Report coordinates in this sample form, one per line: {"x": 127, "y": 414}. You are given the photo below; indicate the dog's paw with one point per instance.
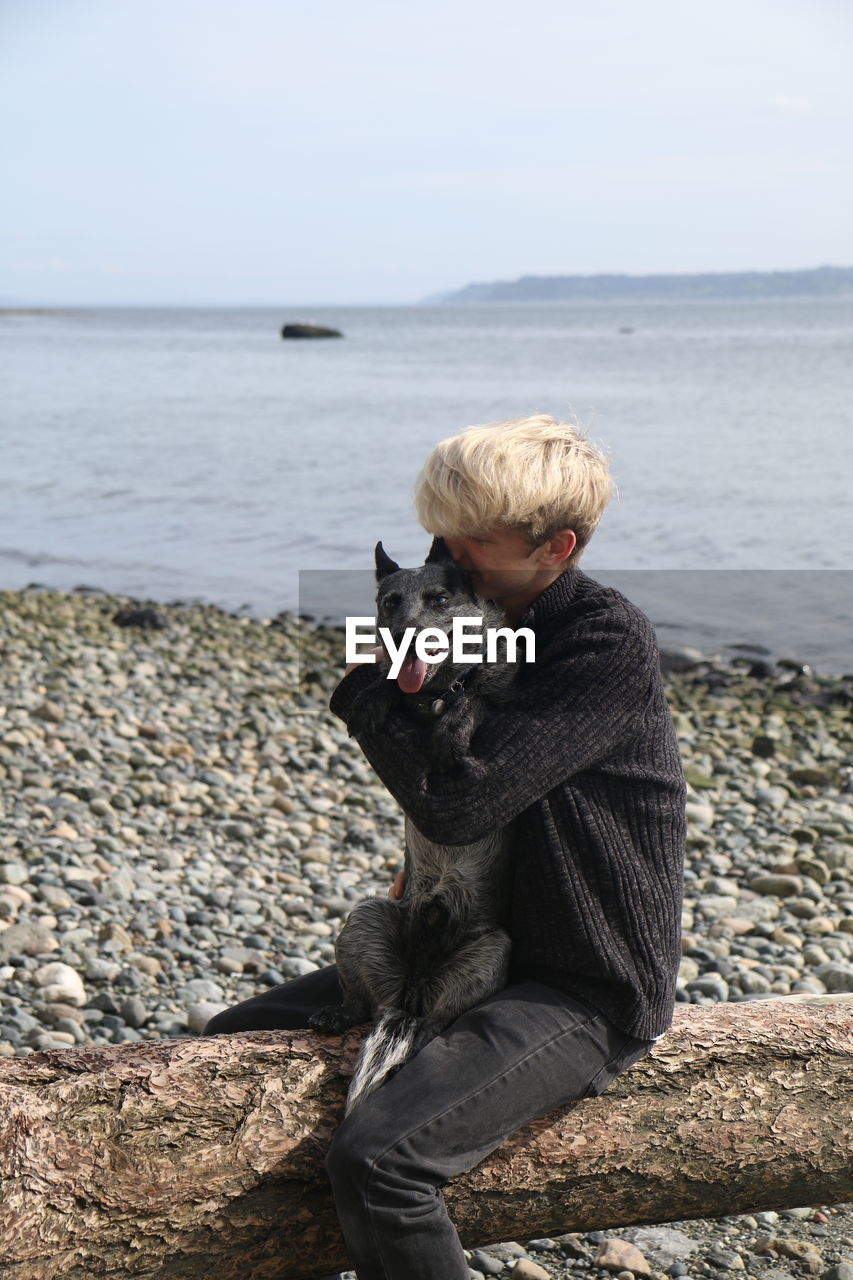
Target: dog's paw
{"x": 473, "y": 769}
{"x": 452, "y": 750}
{"x": 451, "y": 736}
{"x": 335, "y": 1019}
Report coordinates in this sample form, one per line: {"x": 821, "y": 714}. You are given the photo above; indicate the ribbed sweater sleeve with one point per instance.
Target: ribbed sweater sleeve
{"x": 586, "y": 694}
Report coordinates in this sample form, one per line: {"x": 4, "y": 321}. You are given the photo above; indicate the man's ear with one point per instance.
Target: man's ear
{"x": 438, "y": 553}
{"x": 558, "y": 548}
{"x": 384, "y": 563}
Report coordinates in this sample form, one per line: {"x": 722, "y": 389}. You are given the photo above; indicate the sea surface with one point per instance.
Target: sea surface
{"x": 193, "y": 454}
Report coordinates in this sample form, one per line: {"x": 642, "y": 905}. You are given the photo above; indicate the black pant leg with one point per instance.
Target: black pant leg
{"x": 520, "y": 1054}
{"x": 284, "y": 1008}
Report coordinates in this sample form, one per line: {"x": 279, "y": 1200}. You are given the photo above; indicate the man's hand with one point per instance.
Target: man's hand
{"x": 378, "y": 655}
{"x": 399, "y": 886}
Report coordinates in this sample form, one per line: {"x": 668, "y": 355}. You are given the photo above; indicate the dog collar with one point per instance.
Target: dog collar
{"x": 449, "y": 695}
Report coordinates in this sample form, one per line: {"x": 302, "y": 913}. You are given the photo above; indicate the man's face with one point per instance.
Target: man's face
{"x": 502, "y": 564}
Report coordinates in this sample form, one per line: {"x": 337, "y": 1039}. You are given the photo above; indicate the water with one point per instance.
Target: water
{"x": 192, "y": 454}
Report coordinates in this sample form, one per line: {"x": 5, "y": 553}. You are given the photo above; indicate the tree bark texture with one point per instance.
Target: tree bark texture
{"x": 176, "y": 1158}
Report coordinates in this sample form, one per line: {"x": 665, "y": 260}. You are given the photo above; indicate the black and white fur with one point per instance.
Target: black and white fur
{"x": 415, "y": 965}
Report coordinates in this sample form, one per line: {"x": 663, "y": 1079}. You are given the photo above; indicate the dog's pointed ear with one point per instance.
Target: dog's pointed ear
{"x": 438, "y": 553}
{"x": 384, "y": 563}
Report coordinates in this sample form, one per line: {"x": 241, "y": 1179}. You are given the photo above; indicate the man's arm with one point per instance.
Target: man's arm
{"x": 588, "y": 693}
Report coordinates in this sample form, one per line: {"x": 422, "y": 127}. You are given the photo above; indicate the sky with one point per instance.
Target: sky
{"x": 270, "y": 152}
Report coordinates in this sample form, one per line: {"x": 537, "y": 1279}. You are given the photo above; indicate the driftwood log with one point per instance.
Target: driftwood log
{"x": 181, "y": 1158}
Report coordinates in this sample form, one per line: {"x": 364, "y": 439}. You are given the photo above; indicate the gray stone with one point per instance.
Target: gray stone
{"x": 711, "y": 985}
{"x": 293, "y": 966}
{"x": 22, "y": 1020}
{"x": 684, "y": 659}
{"x": 72, "y": 1028}
{"x": 725, "y": 1259}
{"x": 777, "y": 886}
{"x": 808, "y": 986}
{"x": 814, "y": 867}
{"x": 99, "y": 970}
{"x": 200, "y": 1013}
{"x": 835, "y": 977}
{"x": 509, "y": 1250}
{"x": 752, "y": 982}
{"x": 51, "y": 712}
{"x": 51, "y": 1040}
{"x": 712, "y": 905}
{"x": 813, "y": 776}
{"x": 27, "y": 939}
{"x": 663, "y": 1246}
{"x": 802, "y": 908}
{"x": 758, "y": 910}
{"x": 134, "y": 1012}
{"x": 54, "y": 897}
{"x": 13, "y": 873}
{"x": 841, "y": 1271}
{"x": 700, "y": 814}
{"x": 238, "y": 830}
{"x": 573, "y": 1246}
{"x": 125, "y": 1035}
{"x": 201, "y": 989}
{"x": 486, "y": 1263}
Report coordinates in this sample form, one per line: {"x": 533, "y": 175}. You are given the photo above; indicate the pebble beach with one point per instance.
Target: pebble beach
{"x": 182, "y": 822}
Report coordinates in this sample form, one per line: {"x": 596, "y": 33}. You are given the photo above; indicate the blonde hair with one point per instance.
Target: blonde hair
{"x": 532, "y": 475}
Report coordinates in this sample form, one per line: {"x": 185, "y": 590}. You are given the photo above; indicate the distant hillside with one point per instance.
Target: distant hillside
{"x": 820, "y": 282}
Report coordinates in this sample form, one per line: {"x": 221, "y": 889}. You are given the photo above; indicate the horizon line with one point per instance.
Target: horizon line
{"x": 435, "y": 298}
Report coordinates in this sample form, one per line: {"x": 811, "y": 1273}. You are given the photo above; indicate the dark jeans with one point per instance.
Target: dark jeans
{"x": 523, "y": 1052}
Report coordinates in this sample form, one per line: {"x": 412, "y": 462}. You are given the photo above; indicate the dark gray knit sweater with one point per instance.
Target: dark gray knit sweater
{"x": 586, "y": 758}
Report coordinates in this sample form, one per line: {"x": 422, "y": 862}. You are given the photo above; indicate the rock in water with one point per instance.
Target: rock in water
{"x": 309, "y": 331}
{"x": 145, "y": 617}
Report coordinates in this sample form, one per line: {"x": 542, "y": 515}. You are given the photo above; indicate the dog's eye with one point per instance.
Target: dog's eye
{"x": 440, "y": 599}
{"x": 387, "y": 603}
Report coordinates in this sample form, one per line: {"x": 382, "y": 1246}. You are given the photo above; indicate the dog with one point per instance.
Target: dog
{"x": 413, "y": 965}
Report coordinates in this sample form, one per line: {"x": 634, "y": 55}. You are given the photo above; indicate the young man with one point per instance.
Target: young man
{"x": 585, "y": 759}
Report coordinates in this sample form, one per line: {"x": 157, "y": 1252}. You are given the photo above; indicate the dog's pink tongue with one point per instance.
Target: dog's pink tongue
{"x": 412, "y": 674}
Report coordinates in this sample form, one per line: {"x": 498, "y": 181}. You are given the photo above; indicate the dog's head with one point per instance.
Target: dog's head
{"x": 428, "y": 597}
